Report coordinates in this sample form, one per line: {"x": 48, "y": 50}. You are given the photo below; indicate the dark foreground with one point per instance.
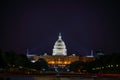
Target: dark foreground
{"x": 57, "y": 77}
{"x": 54, "y": 78}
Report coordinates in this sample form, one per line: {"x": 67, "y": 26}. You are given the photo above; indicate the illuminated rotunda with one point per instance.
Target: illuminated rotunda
{"x": 59, "y": 47}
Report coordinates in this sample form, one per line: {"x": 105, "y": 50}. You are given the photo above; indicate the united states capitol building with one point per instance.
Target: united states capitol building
{"x": 59, "y": 55}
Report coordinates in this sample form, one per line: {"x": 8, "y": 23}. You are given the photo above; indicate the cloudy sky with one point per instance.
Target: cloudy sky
{"x": 84, "y": 25}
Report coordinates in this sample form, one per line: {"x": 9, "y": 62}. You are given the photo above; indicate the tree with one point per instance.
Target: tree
{"x": 9, "y": 57}
{"x": 76, "y": 66}
{"x": 41, "y": 64}
{"x": 3, "y": 64}
{"x": 22, "y": 60}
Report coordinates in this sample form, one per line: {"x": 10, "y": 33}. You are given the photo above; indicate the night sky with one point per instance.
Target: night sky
{"x": 84, "y": 25}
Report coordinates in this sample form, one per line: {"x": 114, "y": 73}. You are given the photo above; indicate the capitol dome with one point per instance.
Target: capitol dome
{"x": 59, "y": 47}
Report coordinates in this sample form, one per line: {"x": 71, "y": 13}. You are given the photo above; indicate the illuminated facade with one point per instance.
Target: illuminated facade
{"x": 63, "y": 60}
{"x": 59, "y": 56}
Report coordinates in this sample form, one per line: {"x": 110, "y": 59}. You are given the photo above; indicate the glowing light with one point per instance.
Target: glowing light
{"x": 93, "y": 68}
{"x": 108, "y": 65}
{"x": 102, "y": 67}
{"x": 111, "y": 65}
{"x": 52, "y": 62}
{"x": 33, "y": 61}
{"x": 116, "y": 65}
{"x": 65, "y": 62}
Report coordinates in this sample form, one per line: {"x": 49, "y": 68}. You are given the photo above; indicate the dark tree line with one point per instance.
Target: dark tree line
{"x": 10, "y": 59}
{"x": 102, "y": 64}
